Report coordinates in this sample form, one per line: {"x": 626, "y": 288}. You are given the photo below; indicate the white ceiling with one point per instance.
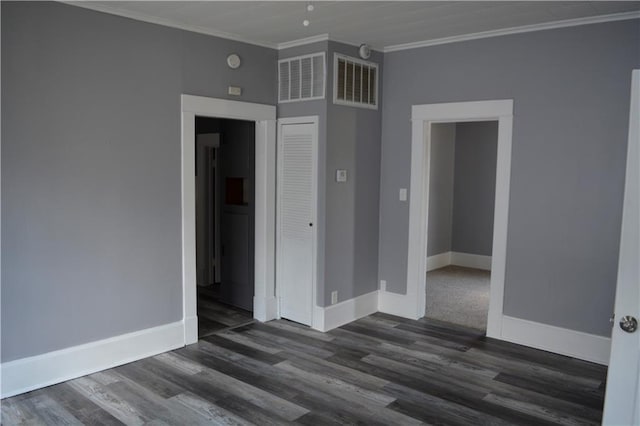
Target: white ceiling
{"x": 381, "y": 24}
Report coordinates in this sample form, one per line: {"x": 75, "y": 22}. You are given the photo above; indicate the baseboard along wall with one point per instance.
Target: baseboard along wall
{"x": 334, "y": 316}
{"x": 466, "y": 260}
{"x": 26, "y": 374}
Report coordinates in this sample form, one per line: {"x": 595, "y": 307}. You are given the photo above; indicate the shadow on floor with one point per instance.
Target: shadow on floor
{"x": 215, "y": 316}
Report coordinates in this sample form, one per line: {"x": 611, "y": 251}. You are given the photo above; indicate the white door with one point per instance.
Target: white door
{"x": 622, "y": 405}
{"x": 296, "y": 216}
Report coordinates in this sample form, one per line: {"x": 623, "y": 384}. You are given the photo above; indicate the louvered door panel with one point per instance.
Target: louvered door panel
{"x": 296, "y": 213}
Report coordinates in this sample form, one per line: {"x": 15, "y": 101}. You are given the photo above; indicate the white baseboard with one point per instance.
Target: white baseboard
{"x": 330, "y": 317}
{"x": 265, "y": 308}
{"x": 397, "y": 304}
{"x": 26, "y": 374}
{"x": 438, "y": 261}
{"x": 191, "y": 330}
{"x": 471, "y": 260}
{"x": 576, "y": 344}
{"x": 466, "y": 260}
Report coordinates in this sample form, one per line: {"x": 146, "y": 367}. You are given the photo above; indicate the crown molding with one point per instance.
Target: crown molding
{"x": 516, "y": 30}
{"x": 302, "y": 41}
{"x": 165, "y": 22}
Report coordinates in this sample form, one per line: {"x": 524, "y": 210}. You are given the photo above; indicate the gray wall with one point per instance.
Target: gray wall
{"x": 441, "y": 186}
{"x": 353, "y": 143}
{"x": 571, "y": 90}
{"x": 90, "y": 225}
{"x": 349, "y": 138}
{"x": 475, "y": 187}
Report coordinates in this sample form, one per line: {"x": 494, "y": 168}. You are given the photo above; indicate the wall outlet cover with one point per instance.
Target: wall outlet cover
{"x": 334, "y": 297}
{"x": 235, "y": 91}
{"x": 403, "y": 194}
{"x": 341, "y": 175}
{"x": 383, "y": 285}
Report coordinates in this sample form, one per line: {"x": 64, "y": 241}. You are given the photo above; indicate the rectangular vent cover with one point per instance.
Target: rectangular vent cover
{"x": 355, "y": 82}
{"x": 301, "y": 78}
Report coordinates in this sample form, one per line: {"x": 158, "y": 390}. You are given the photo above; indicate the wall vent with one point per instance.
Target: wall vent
{"x": 355, "y": 82}
{"x": 301, "y": 78}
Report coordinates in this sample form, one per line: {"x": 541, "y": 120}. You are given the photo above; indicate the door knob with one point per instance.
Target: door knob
{"x": 629, "y": 324}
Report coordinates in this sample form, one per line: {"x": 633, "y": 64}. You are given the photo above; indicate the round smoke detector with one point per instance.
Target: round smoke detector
{"x": 364, "y": 51}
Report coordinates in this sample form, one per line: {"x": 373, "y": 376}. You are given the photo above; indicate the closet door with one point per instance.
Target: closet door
{"x": 296, "y": 214}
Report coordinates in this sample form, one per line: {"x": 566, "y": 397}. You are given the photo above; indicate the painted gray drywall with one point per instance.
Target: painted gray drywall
{"x": 352, "y": 221}
{"x": 91, "y": 219}
{"x": 310, "y": 108}
{"x": 349, "y": 138}
{"x": 475, "y": 187}
{"x": 441, "y": 172}
{"x": 571, "y": 90}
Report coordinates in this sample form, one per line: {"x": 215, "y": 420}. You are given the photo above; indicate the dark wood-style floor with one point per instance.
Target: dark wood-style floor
{"x": 380, "y": 370}
{"x": 214, "y": 316}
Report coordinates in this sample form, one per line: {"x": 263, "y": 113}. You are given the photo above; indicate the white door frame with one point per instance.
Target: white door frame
{"x": 314, "y": 120}
{"x": 622, "y": 398}
{"x": 422, "y": 116}
{"x": 264, "y": 301}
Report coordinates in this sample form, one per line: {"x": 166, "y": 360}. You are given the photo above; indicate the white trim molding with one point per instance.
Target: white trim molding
{"x": 623, "y": 16}
{"x": 422, "y": 117}
{"x": 140, "y": 16}
{"x": 334, "y": 316}
{"x": 26, "y": 374}
{"x": 466, "y": 260}
{"x": 576, "y": 344}
{"x": 438, "y": 261}
{"x": 401, "y": 305}
{"x": 264, "y": 117}
{"x": 303, "y": 41}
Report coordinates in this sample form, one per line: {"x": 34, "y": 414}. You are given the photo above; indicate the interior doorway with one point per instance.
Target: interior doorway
{"x": 413, "y": 305}
{"x": 264, "y": 119}
{"x": 225, "y": 221}
{"x": 462, "y": 178}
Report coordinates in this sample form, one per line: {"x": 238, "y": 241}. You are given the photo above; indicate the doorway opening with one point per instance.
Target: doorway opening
{"x": 225, "y": 222}
{"x": 462, "y": 178}
{"x": 264, "y": 119}
{"x": 413, "y": 305}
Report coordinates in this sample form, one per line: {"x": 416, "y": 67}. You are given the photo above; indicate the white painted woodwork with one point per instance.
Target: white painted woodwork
{"x": 264, "y": 118}
{"x": 35, "y": 372}
{"x": 422, "y": 118}
{"x": 622, "y": 398}
{"x": 296, "y": 218}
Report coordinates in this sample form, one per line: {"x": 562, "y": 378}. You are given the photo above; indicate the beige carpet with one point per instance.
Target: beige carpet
{"x": 459, "y": 295}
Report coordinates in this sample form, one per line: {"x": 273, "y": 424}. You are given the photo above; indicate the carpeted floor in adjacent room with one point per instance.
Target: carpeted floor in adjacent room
{"x": 459, "y": 295}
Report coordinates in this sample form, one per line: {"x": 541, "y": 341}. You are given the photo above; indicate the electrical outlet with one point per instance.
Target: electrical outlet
{"x": 383, "y": 285}
{"x": 235, "y": 91}
{"x": 334, "y": 297}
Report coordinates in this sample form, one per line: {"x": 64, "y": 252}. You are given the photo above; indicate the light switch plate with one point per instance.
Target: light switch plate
{"x": 341, "y": 175}
{"x": 235, "y": 91}
{"x": 403, "y": 194}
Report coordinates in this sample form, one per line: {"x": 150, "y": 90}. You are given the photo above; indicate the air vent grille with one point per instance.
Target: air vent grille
{"x": 301, "y": 78}
{"x": 355, "y": 82}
